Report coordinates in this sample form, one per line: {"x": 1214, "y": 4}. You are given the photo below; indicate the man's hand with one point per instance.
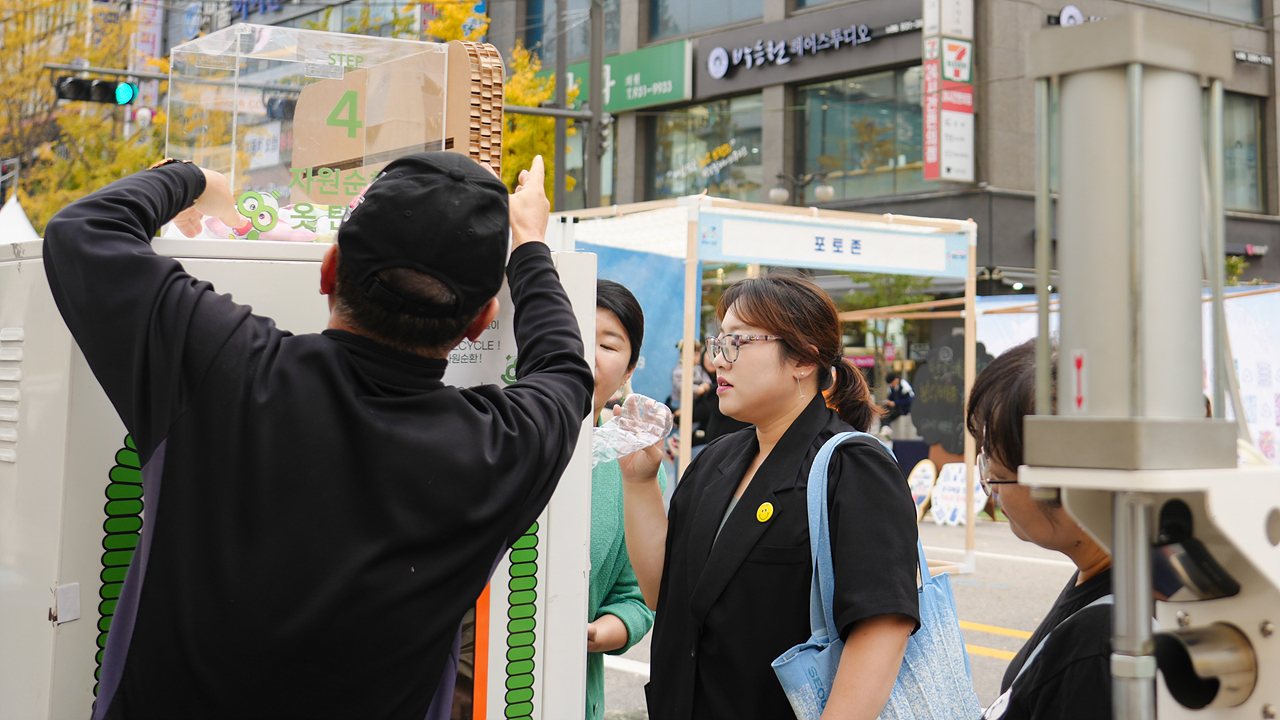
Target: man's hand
{"x": 529, "y": 206}
{"x": 216, "y": 201}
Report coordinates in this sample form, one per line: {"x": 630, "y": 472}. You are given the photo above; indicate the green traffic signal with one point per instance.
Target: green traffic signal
{"x": 125, "y": 93}
{"x": 100, "y": 91}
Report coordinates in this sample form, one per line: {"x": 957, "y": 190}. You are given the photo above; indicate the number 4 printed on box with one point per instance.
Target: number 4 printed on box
{"x": 350, "y": 102}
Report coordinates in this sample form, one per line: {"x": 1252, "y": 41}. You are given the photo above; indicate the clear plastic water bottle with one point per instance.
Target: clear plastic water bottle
{"x": 638, "y": 423}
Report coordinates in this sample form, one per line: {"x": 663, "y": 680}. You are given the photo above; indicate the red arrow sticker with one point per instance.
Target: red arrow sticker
{"x": 1078, "y": 381}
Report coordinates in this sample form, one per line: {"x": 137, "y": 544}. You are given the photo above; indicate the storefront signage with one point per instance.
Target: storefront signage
{"x": 743, "y": 236}
{"x": 244, "y": 7}
{"x": 957, "y": 60}
{"x": 657, "y": 75}
{"x": 1253, "y": 58}
{"x": 948, "y": 90}
{"x": 720, "y": 61}
{"x": 953, "y": 18}
{"x": 843, "y": 40}
{"x": 711, "y": 162}
{"x": 948, "y": 126}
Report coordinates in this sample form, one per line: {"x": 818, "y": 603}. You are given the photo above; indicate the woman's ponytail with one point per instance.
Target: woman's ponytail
{"x": 850, "y": 396}
{"x": 806, "y": 318}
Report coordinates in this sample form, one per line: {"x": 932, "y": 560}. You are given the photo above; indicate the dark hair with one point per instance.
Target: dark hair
{"x": 1003, "y": 394}
{"x": 617, "y": 299}
{"x": 406, "y": 333}
{"x": 803, "y": 314}
{"x": 891, "y": 377}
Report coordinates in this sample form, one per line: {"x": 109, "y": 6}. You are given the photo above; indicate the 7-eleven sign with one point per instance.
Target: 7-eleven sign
{"x": 957, "y": 60}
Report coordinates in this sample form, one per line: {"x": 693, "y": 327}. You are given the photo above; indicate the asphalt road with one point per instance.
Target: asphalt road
{"x": 1000, "y": 603}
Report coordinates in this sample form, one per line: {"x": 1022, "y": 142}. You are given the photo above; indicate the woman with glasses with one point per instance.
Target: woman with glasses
{"x": 729, "y": 569}
{"x": 1064, "y": 670}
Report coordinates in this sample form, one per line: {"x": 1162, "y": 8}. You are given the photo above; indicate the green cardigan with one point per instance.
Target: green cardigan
{"x": 613, "y": 588}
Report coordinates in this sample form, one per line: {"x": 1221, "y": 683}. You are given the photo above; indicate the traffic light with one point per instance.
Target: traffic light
{"x": 279, "y": 108}
{"x": 100, "y": 91}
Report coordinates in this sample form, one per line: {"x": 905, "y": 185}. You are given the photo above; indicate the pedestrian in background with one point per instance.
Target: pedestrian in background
{"x": 900, "y": 396}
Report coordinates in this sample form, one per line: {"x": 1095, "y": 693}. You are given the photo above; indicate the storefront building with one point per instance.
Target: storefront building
{"x": 799, "y": 87}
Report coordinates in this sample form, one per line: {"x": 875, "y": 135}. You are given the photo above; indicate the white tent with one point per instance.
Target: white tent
{"x": 15, "y": 227}
{"x": 701, "y": 228}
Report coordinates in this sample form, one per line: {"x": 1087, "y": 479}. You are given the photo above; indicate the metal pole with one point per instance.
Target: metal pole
{"x": 546, "y": 112}
{"x": 1133, "y": 666}
{"x": 165, "y": 77}
{"x": 970, "y": 371}
{"x": 1136, "y": 399}
{"x": 1044, "y": 377}
{"x": 692, "y": 313}
{"x": 562, "y": 102}
{"x": 595, "y": 129}
{"x": 1214, "y": 266}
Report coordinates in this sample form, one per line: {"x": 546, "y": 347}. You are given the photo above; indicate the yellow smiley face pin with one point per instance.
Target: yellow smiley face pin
{"x": 764, "y": 512}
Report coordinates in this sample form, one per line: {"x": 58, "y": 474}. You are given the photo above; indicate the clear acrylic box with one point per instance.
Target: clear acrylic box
{"x": 302, "y": 120}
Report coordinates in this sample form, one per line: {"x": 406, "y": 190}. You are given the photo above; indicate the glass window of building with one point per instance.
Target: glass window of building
{"x": 540, "y": 28}
{"x": 576, "y": 199}
{"x": 1242, "y": 153}
{"x": 866, "y": 133}
{"x": 377, "y": 18}
{"x": 1234, "y": 9}
{"x": 668, "y": 18}
{"x": 713, "y": 147}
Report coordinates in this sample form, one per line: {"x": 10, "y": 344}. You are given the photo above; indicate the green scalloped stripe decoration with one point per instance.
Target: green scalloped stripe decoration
{"x": 123, "y": 528}
{"x": 520, "y": 625}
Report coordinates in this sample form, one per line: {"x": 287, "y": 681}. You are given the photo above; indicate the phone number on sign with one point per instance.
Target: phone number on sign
{"x": 656, "y": 88}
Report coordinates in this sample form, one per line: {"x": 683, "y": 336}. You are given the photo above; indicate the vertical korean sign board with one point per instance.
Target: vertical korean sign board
{"x": 948, "y": 90}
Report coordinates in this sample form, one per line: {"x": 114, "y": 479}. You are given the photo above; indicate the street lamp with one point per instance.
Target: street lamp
{"x": 780, "y": 195}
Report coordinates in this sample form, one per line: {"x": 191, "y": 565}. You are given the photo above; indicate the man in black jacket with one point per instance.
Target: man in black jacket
{"x": 321, "y": 510}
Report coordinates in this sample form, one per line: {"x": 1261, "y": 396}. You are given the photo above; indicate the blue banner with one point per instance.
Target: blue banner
{"x": 658, "y": 283}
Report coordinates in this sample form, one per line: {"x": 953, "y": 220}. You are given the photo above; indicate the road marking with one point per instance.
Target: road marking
{"x": 989, "y": 652}
{"x": 635, "y": 667}
{"x": 995, "y": 630}
{"x": 1002, "y": 556}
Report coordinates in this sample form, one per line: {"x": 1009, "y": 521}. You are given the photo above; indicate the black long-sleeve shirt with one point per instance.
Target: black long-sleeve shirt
{"x": 321, "y": 510}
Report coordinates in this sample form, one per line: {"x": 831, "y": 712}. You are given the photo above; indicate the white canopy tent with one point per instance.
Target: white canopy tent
{"x": 701, "y": 228}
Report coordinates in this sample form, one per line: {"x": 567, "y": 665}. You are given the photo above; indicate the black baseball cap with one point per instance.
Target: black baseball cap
{"x": 439, "y": 213}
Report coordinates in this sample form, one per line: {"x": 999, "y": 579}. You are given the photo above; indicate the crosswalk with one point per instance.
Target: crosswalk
{"x": 994, "y": 630}
{"x": 636, "y": 667}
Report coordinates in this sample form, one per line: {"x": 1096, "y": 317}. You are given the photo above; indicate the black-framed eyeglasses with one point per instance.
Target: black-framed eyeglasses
{"x": 984, "y": 474}
{"x": 727, "y": 345}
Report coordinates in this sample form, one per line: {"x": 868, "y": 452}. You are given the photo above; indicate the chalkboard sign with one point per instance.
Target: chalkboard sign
{"x": 938, "y": 410}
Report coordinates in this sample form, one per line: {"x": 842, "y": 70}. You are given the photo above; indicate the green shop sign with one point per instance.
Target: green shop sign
{"x": 657, "y": 75}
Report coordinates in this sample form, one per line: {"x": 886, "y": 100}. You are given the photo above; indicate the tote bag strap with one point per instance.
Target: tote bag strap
{"x": 1104, "y": 600}
{"x": 822, "y": 596}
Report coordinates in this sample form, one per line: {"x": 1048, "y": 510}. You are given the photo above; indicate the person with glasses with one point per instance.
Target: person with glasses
{"x": 1064, "y": 669}
{"x": 729, "y": 569}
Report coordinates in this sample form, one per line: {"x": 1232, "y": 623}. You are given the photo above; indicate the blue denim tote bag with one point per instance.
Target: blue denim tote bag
{"x": 934, "y": 682}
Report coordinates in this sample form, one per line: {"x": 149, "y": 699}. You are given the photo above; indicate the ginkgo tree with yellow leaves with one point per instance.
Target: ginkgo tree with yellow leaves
{"x": 67, "y": 149}
{"x": 523, "y": 136}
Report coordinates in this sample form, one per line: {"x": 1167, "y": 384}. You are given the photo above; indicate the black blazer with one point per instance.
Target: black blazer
{"x": 729, "y": 607}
